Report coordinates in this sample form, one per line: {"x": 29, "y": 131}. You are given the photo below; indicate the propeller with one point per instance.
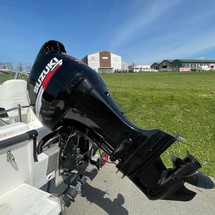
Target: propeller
{"x": 189, "y": 168}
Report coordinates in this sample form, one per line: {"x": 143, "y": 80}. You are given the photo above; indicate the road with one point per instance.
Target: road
{"x": 107, "y": 193}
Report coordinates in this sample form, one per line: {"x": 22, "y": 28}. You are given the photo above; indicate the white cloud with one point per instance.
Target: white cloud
{"x": 157, "y": 32}
{"x": 139, "y": 19}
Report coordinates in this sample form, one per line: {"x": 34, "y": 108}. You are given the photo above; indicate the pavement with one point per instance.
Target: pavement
{"x": 108, "y": 193}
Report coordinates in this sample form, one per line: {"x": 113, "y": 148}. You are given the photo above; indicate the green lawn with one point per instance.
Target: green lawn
{"x": 5, "y": 76}
{"x": 10, "y": 75}
{"x": 174, "y": 102}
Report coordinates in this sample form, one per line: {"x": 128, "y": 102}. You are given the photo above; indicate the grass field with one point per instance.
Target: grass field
{"x": 174, "y": 102}
{"x": 6, "y": 76}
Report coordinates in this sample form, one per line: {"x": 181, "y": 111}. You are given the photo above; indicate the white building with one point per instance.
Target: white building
{"x": 125, "y": 67}
{"x": 139, "y": 68}
{"x": 104, "y": 62}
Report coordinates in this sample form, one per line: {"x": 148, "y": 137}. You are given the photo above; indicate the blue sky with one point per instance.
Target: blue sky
{"x": 141, "y": 31}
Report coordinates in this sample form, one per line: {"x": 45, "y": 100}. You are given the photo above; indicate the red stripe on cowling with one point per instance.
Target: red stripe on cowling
{"x": 49, "y": 75}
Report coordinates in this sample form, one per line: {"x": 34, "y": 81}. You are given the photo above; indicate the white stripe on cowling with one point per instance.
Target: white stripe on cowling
{"x": 39, "y": 102}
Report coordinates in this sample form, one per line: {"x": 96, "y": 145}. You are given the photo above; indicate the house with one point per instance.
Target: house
{"x": 155, "y": 65}
{"x": 165, "y": 65}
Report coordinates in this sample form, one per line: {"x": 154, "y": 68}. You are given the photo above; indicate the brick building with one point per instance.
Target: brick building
{"x": 104, "y": 62}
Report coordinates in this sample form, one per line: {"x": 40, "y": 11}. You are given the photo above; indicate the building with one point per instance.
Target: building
{"x": 193, "y": 65}
{"x": 104, "y": 62}
{"x": 165, "y": 65}
{"x": 139, "y": 68}
{"x": 184, "y": 65}
{"x": 125, "y": 67}
{"x": 155, "y": 66}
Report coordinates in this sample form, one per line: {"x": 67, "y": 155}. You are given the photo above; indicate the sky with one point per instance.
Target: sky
{"x": 141, "y": 31}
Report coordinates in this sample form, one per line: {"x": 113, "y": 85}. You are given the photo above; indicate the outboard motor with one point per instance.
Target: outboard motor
{"x": 64, "y": 93}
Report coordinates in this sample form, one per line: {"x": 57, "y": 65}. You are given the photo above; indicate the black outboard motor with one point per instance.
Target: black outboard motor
{"x": 64, "y": 91}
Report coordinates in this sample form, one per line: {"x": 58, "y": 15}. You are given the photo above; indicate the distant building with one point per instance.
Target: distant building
{"x": 124, "y": 67}
{"x": 184, "y": 65}
{"x": 165, "y": 65}
{"x": 193, "y": 64}
{"x": 155, "y": 66}
{"x": 104, "y": 62}
{"x": 139, "y": 68}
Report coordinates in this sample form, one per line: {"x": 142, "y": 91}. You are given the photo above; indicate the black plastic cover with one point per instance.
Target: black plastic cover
{"x": 64, "y": 91}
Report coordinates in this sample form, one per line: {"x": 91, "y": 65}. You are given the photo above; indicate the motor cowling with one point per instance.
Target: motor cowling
{"x": 64, "y": 91}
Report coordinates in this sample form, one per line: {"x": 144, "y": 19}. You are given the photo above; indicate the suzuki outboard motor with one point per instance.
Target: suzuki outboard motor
{"x": 65, "y": 92}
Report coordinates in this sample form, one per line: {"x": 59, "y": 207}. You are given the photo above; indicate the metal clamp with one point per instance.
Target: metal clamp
{"x": 10, "y": 157}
